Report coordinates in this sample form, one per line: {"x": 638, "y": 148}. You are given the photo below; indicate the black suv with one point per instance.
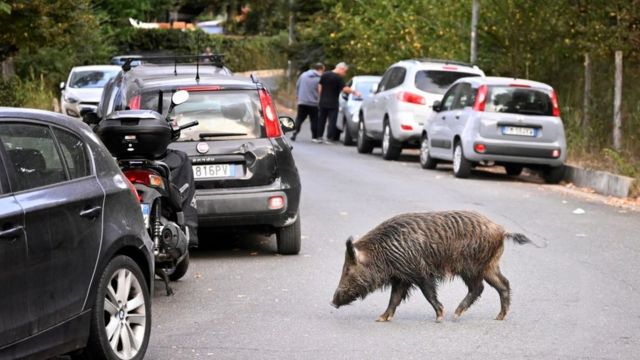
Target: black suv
{"x": 242, "y": 164}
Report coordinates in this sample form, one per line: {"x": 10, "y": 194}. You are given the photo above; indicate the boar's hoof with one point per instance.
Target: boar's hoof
{"x": 440, "y": 318}
{"x": 500, "y": 316}
{"x": 384, "y": 318}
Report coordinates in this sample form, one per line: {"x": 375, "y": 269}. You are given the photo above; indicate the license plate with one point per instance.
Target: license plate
{"x": 146, "y": 210}
{"x": 518, "y": 131}
{"x": 213, "y": 171}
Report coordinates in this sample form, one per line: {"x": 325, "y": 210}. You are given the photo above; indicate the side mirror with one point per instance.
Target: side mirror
{"x": 287, "y": 123}
{"x": 89, "y": 117}
{"x": 62, "y": 85}
{"x": 437, "y": 106}
{"x": 180, "y": 97}
{"x": 374, "y": 88}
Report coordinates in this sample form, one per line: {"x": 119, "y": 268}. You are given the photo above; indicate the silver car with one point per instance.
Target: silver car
{"x": 395, "y": 115}
{"x": 83, "y": 88}
{"x": 350, "y": 105}
{"x": 510, "y": 122}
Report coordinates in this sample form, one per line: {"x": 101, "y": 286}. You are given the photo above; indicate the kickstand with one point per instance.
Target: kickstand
{"x": 163, "y": 275}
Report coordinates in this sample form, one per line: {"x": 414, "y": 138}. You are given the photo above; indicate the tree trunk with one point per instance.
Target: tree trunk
{"x": 586, "y": 99}
{"x": 617, "y": 104}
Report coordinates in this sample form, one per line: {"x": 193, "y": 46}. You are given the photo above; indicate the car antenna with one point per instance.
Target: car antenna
{"x": 197, "y": 69}
{"x": 175, "y": 66}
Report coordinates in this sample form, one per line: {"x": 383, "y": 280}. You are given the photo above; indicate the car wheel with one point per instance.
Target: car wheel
{"x": 391, "y": 149}
{"x": 289, "y": 238}
{"x": 513, "y": 169}
{"x": 365, "y": 145}
{"x": 348, "y": 139}
{"x": 180, "y": 269}
{"x": 461, "y": 166}
{"x": 553, "y": 174}
{"x": 121, "y": 318}
{"x": 426, "y": 161}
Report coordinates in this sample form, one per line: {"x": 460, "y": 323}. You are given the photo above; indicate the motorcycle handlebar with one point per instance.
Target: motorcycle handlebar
{"x": 188, "y": 125}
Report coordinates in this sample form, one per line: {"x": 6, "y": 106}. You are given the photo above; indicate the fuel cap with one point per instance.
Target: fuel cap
{"x": 202, "y": 148}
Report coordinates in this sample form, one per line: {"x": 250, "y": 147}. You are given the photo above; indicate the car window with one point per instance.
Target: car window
{"x": 385, "y": 78}
{"x": 33, "y": 155}
{"x": 74, "y": 153}
{"x": 519, "y": 100}
{"x": 449, "y": 97}
{"x": 437, "y": 82}
{"x": 465, "y": 95}
{"x": 396, "y": 78}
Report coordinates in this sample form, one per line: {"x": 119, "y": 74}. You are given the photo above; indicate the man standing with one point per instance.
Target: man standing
{"x": 330, "y": 86}
{"x": 307, "y": 95}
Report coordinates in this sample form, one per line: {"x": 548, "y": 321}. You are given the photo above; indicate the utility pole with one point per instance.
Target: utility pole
{"x": 290, "y": 42}
{"x": 586, "y": 98}
{"x": 475, "y": 10}
{"x": 617, "y": 104}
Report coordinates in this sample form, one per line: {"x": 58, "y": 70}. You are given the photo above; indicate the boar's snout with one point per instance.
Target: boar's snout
{"x": 334, "y": 305}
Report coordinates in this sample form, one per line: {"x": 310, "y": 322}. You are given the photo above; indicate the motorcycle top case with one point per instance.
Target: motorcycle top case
{"x": 133, "y": 134}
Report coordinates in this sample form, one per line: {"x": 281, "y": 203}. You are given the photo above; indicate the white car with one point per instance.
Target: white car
{"x": 395, "y": 115}
{"x": 83, "y": 89}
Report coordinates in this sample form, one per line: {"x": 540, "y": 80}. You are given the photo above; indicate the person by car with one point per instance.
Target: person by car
{"x": 330, "y": 86}
{"x": 307, "y": 98}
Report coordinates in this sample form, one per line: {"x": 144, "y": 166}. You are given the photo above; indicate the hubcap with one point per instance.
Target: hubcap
{"x": 457, "y": 158}
{"x": 424, "y": 150}
{"x": 125, "y": 314}
{"x": 360, "y": 132}
{"x": 385, "y": 139}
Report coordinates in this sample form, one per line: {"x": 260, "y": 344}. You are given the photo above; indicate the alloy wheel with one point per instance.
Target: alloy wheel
{"x": 457, "y": 158}
{"x": 125, "y": 314}
{"x": 386, "y": 139}
{"x": 424, "y": 150}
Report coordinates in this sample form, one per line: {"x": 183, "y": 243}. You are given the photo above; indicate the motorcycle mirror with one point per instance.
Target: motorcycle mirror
{"x": 180, "y": 97}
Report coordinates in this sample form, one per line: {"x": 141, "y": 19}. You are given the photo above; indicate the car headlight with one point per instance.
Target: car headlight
{"x": 70, "y": 99}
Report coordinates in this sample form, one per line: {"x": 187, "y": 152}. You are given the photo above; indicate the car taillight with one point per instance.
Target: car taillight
{"x": 481, "y": 98}
{"x": 479, "y": 148}
{"x": 412, "y": 98}
{"x": 133, "y": 189}
{"x": 554, "y": 103}
{"x": 271, "y": 124}
{"x": 406, "y": 127}
{"x": 134, "y": 103}
{"x": 144, "y": 177}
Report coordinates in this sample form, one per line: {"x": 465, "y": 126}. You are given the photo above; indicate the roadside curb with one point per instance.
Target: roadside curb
{"x": 602, "y": 182}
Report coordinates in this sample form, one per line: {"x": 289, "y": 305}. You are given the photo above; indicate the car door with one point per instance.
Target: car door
{"x": 388, "y": 97}
{"x": 461, "y": 109}
{"x": 51, "y": 176}
{"x": 14, "y": 313}
{"x": 371, "y": 108}
{"x": 440, "y": 141}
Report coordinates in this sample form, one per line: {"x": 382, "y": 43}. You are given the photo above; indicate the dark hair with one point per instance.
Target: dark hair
{"x": 318, "y": 66}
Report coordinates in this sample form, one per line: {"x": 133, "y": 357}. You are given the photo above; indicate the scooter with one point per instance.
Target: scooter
{"x": 139, "y": 139}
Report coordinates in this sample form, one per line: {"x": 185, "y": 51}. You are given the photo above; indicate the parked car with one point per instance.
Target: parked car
{"x": 245, "y": 173}
{"x": 510, "y": 122}
{"x": 350, "y": 105}
{"x": 121, "y": 59}
{"x": 83, "y": 88}
{"x": 77, "y": 261}
{"x": 394, "y": 116}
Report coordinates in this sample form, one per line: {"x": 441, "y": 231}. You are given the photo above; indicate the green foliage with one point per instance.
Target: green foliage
{"x": 32, "y": 93}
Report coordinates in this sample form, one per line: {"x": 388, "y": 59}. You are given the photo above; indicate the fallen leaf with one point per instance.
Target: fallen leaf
{"x": 579, "y": 211}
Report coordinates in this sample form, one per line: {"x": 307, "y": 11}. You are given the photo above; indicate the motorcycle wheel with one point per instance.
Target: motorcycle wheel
{"x": 180, "y": 269}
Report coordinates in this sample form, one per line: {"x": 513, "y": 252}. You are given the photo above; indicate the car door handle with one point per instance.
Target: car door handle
{"x": 12, "y": 233}
{"x": 91, "y": 213}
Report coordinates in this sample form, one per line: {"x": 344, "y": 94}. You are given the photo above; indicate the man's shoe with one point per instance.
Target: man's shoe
{"x": 317, "y": 141}
{"x": 293, "y": 137}
{"x": 328, "y": 142}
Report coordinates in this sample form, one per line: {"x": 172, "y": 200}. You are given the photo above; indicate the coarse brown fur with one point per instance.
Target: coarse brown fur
{"x": 421, "y": 250}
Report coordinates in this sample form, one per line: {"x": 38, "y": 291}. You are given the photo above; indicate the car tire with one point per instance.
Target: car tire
{"x": 348, "y": 139}
{"x": 553, "y": 174}
{"x": 426, "y": 161}
{"x": 513, "y": 169}
{"x": 181, "y": 269}
{"x": 391, "y": 148}
{"x": 461, "y": 166}
{"x": 116, "y": 317}
{"x": 365, "y": 144}
{"x": 289, "y": 238}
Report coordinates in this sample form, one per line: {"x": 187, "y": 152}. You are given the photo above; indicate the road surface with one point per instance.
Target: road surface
{"x": 577, "y": 298}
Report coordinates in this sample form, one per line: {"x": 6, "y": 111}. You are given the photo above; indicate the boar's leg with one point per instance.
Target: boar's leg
{"x": 399, "y": 290}
{"x": 494, "y": 277}
{"x": 428, "y": 287}
{"x": 475, "y": 286}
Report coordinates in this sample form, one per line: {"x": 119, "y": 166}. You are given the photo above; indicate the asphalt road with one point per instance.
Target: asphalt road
{"x": 578, "y": 298}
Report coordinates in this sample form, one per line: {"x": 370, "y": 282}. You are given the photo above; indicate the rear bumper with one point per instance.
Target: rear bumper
{"x": 516, "y": 152}
{"x": 407, "y": 124}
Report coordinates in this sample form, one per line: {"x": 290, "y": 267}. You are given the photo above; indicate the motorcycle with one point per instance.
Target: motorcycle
{"x": 139, "y": 140}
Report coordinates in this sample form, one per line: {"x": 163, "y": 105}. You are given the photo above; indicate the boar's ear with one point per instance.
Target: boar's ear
{"x": 350, "y": 250}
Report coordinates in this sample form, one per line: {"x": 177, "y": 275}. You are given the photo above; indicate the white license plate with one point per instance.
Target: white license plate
{"x": 518, "y": 131}
{"x": 213, "y": 171}
{"x": 146, "y": 210}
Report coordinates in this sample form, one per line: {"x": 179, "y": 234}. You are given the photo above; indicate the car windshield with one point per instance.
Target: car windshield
{"x": 364, "y": 87}
{"x": 518, "y": 100}
{"x": 227, "y": 114}
{"x": 437, "y": 82}
{"x": 91, "y": 78}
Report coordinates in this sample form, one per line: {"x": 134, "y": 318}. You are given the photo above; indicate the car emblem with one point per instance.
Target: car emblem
{"x": 202, "y": 148}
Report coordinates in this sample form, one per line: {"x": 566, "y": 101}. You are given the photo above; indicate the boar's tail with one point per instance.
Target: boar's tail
{"x": 522, "y": 239}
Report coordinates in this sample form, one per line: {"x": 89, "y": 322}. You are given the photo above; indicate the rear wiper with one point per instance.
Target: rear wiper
{"x": 210, "y": 135}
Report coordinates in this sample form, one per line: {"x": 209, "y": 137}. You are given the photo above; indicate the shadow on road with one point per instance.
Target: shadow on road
{"x": 224, "y": 243}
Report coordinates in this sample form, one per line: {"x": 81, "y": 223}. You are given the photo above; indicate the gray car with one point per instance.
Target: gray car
{"x": 510, "y": 122}
{"x": 350, "y": 105}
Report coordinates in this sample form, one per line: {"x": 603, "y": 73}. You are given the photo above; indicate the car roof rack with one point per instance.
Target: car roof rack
{"x": 211, "y": 59}
{"x": 446, "y": 62}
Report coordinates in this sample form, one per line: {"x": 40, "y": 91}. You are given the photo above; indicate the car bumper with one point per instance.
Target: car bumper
{"x": 517, "y": 152}
{"x": 407, "y": 125}
{"x": 76, "y": 109}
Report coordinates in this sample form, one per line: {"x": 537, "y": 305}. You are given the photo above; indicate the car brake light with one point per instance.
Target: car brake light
{"x": 134, "y": 103}
{"x": 202, "y": 88}
{"x": 412, "y": 98}
{"x": 276, "y": 202}
{"x": 271, "y": 124}
{"x": 406, "y": 127}
{"x": 449, "y": 67}
{"x": 555, "y": 153}
{"x": 520, "y": 85}
{"x": 133, "y": 189}
{"x": 480, "y": 148}
{"x": 481, "y": 98}
{"x": 554, "y": 103}
{"x": 144, "y": 177}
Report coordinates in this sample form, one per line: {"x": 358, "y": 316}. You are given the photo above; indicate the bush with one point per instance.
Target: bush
{"x": 31, "y": 93}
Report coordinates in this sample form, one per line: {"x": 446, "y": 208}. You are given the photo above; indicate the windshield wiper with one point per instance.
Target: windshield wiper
{"x": 210, "y": 135}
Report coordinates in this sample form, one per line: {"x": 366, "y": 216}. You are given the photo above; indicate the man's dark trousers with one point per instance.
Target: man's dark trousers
{"x": 304, "y": 111}
{"x": 332, "y": 131}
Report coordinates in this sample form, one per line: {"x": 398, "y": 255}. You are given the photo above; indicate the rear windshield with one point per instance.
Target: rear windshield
{"x": 516, "y": 100}
{"x": 91, "y": 79}
{"x": 437, "y": 82}
{"x": 222, "y": 115}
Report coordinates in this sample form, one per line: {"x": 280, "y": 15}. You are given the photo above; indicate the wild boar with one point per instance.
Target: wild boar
{"x": 421, "y": 250}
